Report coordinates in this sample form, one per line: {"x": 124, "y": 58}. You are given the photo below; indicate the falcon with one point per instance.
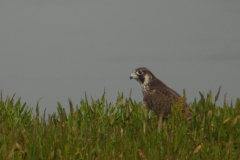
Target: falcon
{"x": 157, "y": 96}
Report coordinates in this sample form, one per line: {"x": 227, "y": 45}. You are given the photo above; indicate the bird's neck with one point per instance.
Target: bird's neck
{"x": 145, "y": 84}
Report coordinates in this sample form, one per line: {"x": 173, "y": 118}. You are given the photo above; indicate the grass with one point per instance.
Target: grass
{"x": 124, "y": 130}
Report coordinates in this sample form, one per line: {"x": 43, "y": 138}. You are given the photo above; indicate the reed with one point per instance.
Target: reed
{"x": 121, "y": 130}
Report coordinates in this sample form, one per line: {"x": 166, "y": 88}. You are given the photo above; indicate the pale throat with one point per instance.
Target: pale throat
{"x": 145, "y": 84}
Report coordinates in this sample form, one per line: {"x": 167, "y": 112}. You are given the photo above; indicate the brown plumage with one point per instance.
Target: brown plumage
{"x": 156, "y": 95}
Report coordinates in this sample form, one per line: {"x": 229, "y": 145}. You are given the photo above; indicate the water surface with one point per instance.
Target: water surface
{"x": 57, "y": 49}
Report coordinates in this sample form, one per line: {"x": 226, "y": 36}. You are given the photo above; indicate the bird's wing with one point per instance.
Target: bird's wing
{"x": 160, "y": 101}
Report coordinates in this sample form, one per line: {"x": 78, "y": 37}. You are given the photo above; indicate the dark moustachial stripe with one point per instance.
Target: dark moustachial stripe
{"x": 141, "y": 78}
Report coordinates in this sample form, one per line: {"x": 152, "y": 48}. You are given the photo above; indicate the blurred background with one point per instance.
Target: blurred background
{"x": 57, "y": 49}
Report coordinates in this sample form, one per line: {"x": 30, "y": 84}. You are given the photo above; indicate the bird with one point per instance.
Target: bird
{"x": 157, "y": 96}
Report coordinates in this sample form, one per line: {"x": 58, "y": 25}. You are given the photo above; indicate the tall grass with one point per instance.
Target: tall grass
{"x": 123, "y": 130}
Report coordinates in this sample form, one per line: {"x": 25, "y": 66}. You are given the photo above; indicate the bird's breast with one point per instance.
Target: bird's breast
{"x": 145, "y": 88}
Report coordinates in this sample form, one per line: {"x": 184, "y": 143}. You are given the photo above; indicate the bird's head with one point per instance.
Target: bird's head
{"x": 142, "y": 75}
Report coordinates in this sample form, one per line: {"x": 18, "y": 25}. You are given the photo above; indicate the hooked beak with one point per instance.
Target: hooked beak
{"x": 133, "y": 76}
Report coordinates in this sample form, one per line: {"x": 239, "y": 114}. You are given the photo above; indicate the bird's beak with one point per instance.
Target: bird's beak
{"x": 133, "y": 76}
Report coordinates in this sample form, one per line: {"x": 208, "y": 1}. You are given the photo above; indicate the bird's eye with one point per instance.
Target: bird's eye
{"x": 139, "y": 72}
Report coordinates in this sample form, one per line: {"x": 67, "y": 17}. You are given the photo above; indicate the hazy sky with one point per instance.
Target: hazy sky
{"x": 57, "y": 49}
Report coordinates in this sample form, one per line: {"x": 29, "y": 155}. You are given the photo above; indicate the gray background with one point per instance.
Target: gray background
{"x": 57, "y": 49}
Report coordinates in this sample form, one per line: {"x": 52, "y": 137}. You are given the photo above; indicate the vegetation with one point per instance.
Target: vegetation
{"x": 125, "y": 130}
